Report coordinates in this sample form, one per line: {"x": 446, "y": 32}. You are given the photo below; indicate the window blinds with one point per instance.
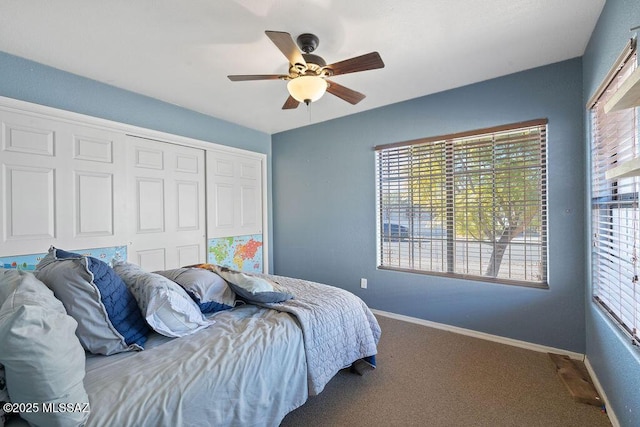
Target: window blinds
{"x": 614, "y": 204}
{"x": 468, "y": 204}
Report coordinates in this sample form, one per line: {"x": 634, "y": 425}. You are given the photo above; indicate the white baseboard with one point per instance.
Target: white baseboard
{"x": 603, "y": 396}
{"x": 482, "y": 335}
{"x": 513, "y": 342}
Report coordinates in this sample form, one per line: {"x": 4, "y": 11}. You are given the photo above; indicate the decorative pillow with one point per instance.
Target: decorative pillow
{"x": 43, "y": 360}
{"x": 252, "y": 289}
{"x": 165, "y": 305}
{"x": 210, "y": 291}
{"x": 109, "y": 320}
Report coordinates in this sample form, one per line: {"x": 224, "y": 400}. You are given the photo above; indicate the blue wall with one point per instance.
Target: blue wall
{"x": 324, "y": 206}
{"x": 37, "y": 83}
{"x": 615, "y": 361}
{"x": 29, "y": 81}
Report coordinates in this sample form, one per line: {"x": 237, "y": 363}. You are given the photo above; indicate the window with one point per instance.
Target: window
{"x": 614, "y": 204}
{"x": 467, "y": 205}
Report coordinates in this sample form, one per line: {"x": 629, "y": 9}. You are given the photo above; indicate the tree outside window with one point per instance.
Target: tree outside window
{"x": 469, "y": 205}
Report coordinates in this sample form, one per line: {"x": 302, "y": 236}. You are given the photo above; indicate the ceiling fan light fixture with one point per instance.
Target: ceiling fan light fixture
{"x": 308, "y": 72}
{"x": 307, "y": 88}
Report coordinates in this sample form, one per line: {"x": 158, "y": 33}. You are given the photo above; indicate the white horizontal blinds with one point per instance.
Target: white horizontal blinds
{"x": 411, "y": 208}
{"x": 500, "y": 211}
{"x": 615, "y": 213}
{"x": 466, "y": 205}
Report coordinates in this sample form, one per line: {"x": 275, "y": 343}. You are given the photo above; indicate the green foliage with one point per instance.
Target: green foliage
{"x": 491, "y": 186}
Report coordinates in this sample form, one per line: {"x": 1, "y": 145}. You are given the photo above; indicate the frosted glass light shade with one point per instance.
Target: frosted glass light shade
{"x": 307, "y": 88}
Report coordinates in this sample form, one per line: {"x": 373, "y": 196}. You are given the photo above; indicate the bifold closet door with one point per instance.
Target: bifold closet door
{"x": 234, "y": 203}
{"x": 166, "y": 192}
{"x": 61, "y": 184}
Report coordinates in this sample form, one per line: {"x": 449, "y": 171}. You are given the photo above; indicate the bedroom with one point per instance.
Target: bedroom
{"x": 332, "y": 199}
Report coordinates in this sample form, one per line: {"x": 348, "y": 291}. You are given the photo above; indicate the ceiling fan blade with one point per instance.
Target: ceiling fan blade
{"x": 290, "y": 103}
{"x": 285, "y": 43}
{"x": 369, "y": 61}
{"x": 245, "y": 77}
{"x": 349, "y": 95}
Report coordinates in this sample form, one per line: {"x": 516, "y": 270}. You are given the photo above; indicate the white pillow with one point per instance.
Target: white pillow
{"x": 165, "y": 305}
{"x": 43, "y": 359}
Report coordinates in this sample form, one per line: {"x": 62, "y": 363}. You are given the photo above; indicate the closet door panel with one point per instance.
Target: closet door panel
{"x": 234, "y": 202}
{"x": 189, "y": 255}
{"x": 167, "y": 193}
{"x": 149, "y": 259}
{"x": 222, "y": 209}
{"x": 93, "y": 149}
{"x": 19, "y": 138}
{"x": 30, "y": 202}
{"x": 93, "y": 169}
{"x": 188, "y": 206}
{"x": 61, "y": 184}
{"x": 149, "y": 205}
{"x": 249, "y": 209}
{"x": 94, "y": 197}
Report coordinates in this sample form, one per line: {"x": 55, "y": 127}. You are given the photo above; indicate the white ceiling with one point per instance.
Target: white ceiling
{"x": 182, "y": 51}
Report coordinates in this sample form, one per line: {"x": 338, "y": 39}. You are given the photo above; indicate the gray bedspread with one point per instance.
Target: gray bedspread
{"x": 338, "y": 327}
{"x": 227, "y": 375}
{"x": 231, "y": 374}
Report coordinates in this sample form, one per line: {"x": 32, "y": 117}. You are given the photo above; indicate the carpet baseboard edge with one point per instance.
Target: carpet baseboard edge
{"x": 482, "y": 335}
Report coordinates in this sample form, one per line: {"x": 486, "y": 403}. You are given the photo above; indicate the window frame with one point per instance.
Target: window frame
{"x": 462, "y": 139}
{"x": 615, "y": 199}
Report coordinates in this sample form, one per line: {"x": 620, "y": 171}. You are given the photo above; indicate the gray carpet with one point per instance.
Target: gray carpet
{"x": 430, "y": 377}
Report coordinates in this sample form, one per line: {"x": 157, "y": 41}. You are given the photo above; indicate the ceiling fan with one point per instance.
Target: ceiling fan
{"x": 308, "y": 73}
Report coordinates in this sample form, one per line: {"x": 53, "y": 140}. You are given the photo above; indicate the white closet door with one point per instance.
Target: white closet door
{"x": 61, "y": 185}
{"x": 166, "y": 186}
{"x": 234, "y": 202}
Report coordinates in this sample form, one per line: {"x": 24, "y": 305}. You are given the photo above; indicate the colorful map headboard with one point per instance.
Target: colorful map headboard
{"x": 29, "y": 262}
{"x": 242, "y": 253}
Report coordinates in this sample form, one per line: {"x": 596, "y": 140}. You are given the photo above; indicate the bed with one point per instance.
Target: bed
{"x": 246, "y": 365}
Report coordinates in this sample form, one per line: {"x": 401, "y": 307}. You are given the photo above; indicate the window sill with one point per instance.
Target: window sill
{"x": 627, "y": 169}
{"x": 469, "y": 277}
{"x": 627, "y": 96}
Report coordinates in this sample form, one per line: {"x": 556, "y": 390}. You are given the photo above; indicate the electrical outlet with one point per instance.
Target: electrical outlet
{"x": 363, "y": 283}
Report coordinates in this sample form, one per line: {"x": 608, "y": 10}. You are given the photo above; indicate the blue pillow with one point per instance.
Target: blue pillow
{"x": 108, "y": 316}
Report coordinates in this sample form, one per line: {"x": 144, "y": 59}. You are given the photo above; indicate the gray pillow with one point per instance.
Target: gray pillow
{"x": 109, "y": 319}
{"x": 210, "y": 291}
{"x": 43, "y": 359}
{"x": 165, "y": 305}
{"x": 250, "y": 288}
